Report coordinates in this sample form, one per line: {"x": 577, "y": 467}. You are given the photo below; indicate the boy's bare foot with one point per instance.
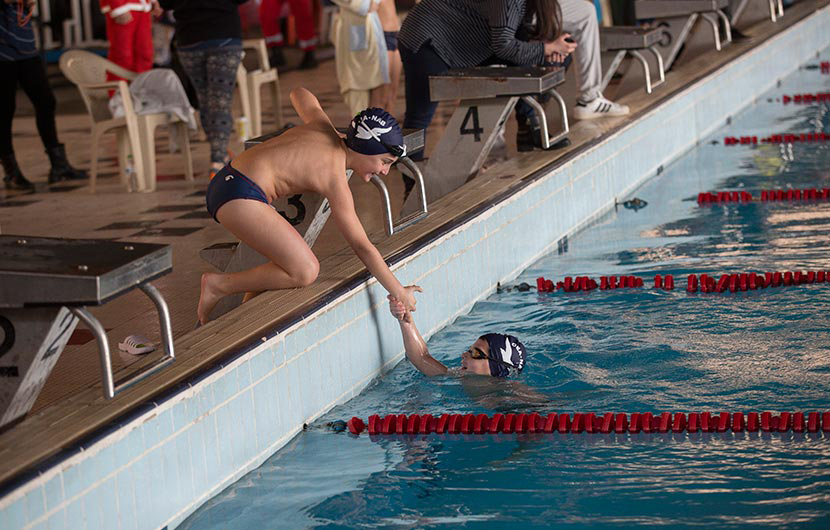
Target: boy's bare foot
{"x": 209, "y": 297}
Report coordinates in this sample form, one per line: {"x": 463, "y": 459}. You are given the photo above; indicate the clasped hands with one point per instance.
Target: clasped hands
{"x": 557, "y": 50}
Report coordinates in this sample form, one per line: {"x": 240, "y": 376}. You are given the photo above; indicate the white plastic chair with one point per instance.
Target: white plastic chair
{"x": 263, "y": 75}
{"x": 135, "y": 132}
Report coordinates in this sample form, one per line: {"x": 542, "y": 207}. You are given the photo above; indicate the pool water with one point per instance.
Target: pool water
{"x": 627, "y": 350}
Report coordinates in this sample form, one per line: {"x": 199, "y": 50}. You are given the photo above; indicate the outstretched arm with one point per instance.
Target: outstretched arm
{"x": 413, "y": 343}
{"x": 346, "y": 219}
{"x": 308, "y": 108}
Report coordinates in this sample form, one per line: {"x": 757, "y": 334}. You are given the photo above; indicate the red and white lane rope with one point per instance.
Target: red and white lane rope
{"x": 745, "y": 281}
{"x": 609, "y": 422}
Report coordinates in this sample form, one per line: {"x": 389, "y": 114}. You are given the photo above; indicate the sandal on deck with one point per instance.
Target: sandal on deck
{"x": 136, "y": 345}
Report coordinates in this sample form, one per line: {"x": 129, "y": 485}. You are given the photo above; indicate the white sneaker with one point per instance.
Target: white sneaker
{"x": 599, "y": 108}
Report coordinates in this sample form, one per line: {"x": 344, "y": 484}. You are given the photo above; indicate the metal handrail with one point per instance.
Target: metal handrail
{"x": 392, "y": 227}
{"x": 548, "y": 141}
{"x": 100, "y": 334}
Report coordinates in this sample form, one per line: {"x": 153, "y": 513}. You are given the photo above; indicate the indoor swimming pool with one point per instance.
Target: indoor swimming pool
{"x": 623, "y": 350}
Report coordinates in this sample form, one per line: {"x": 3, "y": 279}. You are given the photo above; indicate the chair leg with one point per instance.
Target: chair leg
{"x": 276, "y": 103}
{"x": 134, "y": 136}
{"x": 184, "y": 143}
{"x": 123, "y": 142}
{"x": 147, "y": 133}
{"x": 93, "y": 161}
{"x": 255, "y": 98}
{"x": 244, "y": 96}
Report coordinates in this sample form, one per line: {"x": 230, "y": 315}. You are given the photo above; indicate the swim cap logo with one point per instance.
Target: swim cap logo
{"x": 373, "y": 133}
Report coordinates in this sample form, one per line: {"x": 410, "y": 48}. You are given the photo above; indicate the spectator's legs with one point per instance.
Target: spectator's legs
{"x": 8, "y": 91}
{"x": 579, "y": 18}
{"x": 417, "y": 68}
{"x": 269, "y": 21}
{"x": 143, "y": 45}
{"x": 220, "y": 67}
{"x": 357, "y": 100}
{"x": 12, "y": 176}
{"x": 35, "y": 84}
{"x": 121, "y": 39}
{"x": 306, "y": 37}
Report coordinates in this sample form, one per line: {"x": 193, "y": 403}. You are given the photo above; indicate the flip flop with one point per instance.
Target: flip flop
{"x": 136, "y": 345}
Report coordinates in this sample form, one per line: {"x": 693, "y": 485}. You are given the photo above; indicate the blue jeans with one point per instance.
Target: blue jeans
{"x": 417, "y": 67}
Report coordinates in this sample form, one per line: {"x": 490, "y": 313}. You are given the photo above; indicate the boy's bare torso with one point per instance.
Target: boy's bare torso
{"x": 302, "y": 159}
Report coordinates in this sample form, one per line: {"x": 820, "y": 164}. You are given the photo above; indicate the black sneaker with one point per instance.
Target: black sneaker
{"x": 275, "y": 57}
{"x": 309, "y": 61}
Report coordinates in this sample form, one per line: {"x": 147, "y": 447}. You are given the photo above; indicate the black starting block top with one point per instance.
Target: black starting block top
{"x": 675, "y": 8}
{"x": 51, "y": 271}
{"x": 628, "y": 37}
{"x": 494, "y": 81}
{"x": 412, "y": 138}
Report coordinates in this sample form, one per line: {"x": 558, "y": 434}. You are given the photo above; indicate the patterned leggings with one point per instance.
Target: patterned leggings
{"x": 213, "y": 74}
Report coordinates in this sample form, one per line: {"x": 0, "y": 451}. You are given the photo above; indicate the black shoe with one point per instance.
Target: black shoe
{"x": 309, "y": 61}
{"x": 14, "y": 179}
{"x": 524, "y": 136}
{"x": 739, "y": 36}
{"x": 275, "y": 57}
{"x": 61, "y": 169}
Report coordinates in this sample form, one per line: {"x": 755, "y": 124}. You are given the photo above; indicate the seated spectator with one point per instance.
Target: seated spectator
{"x": 431, "y": 43}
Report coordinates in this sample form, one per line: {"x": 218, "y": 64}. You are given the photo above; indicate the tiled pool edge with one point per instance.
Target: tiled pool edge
{"x": 231, "y": 418}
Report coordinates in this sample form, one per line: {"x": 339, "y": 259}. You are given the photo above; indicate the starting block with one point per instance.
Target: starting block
{"x": 631, "y": 40}
{"x": 488, "y": 94}
{"x": 308, "y": 213}
{"x": 745, "y": 13}
{"x": 677, "y": 19}
{"x": 45, "y": 286}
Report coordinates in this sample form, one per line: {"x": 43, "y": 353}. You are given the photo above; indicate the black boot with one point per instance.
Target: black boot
{"x": 61, "y": 170}
{"x": 14, "y": 179}
{"x": 524, "y": 135}
{"x": 275, "y": 57}
{"x": 309, "y": 61}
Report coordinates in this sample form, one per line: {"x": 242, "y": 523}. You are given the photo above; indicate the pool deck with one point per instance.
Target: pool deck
{"x": 72, "y": 410}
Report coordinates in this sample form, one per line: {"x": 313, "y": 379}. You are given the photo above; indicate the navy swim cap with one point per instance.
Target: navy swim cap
{"x": 504, "y": 350}
{"x": 375, "y": 132}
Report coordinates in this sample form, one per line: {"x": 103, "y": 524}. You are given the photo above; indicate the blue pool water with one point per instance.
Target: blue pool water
{"x": 632, "y": 350}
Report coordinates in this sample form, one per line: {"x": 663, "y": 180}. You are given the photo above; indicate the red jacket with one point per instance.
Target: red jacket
{"x": 116, "y": 8}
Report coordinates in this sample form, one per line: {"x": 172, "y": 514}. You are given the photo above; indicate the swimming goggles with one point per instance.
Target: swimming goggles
{"x": 477, "y": 353}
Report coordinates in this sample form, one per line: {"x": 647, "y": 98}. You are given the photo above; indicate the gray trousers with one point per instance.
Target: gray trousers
{"x": 579, "y": 18}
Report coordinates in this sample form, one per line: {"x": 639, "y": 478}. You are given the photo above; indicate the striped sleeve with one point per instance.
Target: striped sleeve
{"x": 505, "y": 17}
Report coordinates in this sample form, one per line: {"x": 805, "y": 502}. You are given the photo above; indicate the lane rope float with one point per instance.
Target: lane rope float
{"x": 788, "y": 138}
{"x": 745, "y": 281}
{"x": 609, "y": 422}
{"x": 809, "y": 194}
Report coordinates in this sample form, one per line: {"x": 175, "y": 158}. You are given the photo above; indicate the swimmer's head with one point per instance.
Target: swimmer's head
{"x": 375, "y": 136}
{"x": 494, "y": 354}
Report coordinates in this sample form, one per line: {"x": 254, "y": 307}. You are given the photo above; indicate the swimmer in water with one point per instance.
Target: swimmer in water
{"x": 311, "y": 157}
{"x": 493, "y": 354}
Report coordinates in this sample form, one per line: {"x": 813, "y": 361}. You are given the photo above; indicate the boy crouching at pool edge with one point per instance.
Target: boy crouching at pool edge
{"x": 312, "y": 157}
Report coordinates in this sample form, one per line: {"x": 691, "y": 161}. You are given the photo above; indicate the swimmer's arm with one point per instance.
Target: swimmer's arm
{"x": 345, "y": 217}
{"x": 416, "y": 349}
{"x": 308, "y": 107}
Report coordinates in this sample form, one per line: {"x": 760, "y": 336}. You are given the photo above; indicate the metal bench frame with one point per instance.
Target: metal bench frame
{"x": 488, "y": 96}
{"x": 46, "y": 285}
{"x": 634, "y": 51}
{"x": 678, "y": 23}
